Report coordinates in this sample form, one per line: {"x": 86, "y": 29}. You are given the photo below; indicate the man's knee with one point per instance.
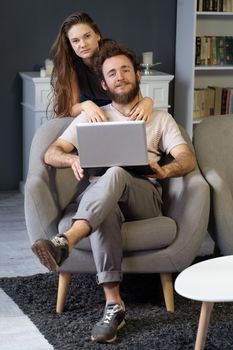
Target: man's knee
{"x": 117, "y": 172}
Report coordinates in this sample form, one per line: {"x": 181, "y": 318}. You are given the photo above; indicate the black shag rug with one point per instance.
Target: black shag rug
{"x": 148, "y": 326}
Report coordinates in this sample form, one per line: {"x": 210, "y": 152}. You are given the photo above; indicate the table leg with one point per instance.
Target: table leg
{"x": 206, "y": 309}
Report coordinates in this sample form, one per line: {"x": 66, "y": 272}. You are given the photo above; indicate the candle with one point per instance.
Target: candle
{"x": 42, "y": 73}
{"x": 147, "y": 57}
{"x": 48, "y": 67}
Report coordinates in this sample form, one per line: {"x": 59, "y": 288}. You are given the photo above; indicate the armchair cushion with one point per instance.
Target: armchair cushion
{"x": 147, "y": 234}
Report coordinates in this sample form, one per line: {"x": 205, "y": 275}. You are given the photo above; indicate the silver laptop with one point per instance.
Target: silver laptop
{"x": 107, "y": 144}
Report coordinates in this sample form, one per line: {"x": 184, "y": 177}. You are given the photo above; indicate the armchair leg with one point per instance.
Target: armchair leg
{"x": 167, "y": 284}
{"x": 63, "y": 288}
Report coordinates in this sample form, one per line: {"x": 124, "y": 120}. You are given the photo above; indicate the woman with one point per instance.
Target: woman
{"x": 76, "y": 87}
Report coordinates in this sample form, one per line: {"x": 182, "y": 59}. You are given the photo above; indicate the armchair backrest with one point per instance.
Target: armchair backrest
{"x": 213, "y": 141}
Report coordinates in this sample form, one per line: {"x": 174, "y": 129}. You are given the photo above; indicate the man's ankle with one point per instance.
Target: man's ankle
{"x": 112, "y": 293}
{"x": 79, "y": 230}
{"x": 114, "y": 301}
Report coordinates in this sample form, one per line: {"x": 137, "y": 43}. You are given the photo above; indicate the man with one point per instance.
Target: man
{"x": 117, "y": 195}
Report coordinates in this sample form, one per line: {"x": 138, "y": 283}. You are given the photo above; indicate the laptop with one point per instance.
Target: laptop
{"x": 107, "y": 144}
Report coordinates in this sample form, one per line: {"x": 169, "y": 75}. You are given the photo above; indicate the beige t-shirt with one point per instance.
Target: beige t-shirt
{"x": 162, "y": 131}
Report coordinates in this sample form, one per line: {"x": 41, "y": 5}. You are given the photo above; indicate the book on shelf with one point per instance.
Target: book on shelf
{"x": 211, "y": 92}
{"x": 214, "y": 50}
{"x": 217, "y": 100}
{"x": 229, "y": 49}
{"x": 204, "y": 50}
{"x": 215, "y": 5}
{"x": 202, "y": 103}
{"x": 197, "y": 105}
{"x": 229, "y": 102}
{"x": 217, "y": 49}
{"x": 227, "y": 5}
{"x": 224, "y": 101}
{"x": 212, "y": 100}
{"x": 198, "y": 51}
{"x": 220, "y": 5}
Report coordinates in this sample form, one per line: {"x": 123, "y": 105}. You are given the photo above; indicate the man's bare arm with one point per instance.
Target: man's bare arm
{"x": 184, "y": 162}
{"x": 59, "y": 155}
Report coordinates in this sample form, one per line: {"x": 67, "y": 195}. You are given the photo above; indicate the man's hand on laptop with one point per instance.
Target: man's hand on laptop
{"x": 93, "y": 112}
{"x": 158, "y": 171}
{"x": 78, "y": 171}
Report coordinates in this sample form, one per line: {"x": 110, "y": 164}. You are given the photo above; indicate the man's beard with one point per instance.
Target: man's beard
{"x": 124, "y": 97}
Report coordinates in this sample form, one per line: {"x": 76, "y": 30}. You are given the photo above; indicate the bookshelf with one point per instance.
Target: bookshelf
{"x": 188, "y": 76}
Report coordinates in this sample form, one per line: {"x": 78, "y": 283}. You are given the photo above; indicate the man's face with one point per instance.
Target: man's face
{"x": 120, "y": 80}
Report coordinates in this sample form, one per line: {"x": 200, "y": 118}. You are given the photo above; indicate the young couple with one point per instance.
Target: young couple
{"x": 118, "y": 195}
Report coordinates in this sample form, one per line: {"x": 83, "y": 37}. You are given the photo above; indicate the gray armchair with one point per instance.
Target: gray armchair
{"x": 162, "y": 244}
{"x": 213, "y": 142}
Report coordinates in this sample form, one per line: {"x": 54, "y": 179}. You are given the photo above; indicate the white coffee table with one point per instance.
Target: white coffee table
{"x": 209, "y": 281}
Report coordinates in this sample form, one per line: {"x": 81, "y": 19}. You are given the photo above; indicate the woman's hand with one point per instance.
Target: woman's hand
{"x": 93, "y": 112}
{"x": 142, "y": 110}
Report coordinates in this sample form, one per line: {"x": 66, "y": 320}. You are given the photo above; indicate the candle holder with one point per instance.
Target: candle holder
{"x": 148, "y": 67}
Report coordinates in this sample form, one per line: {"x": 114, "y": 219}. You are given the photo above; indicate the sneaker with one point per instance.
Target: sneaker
{"x": 105, "y": 331}
{"x": 51, "y": 253}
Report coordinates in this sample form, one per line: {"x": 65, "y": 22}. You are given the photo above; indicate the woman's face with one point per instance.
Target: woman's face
{"x": 84, "y": 41}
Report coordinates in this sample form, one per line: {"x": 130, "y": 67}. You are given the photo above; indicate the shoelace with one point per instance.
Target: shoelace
{"x": 111, "y": 310}
{"x": 59, "y": 241}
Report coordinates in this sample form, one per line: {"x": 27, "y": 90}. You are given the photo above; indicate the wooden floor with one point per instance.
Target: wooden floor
{"x": 16, "y": 259}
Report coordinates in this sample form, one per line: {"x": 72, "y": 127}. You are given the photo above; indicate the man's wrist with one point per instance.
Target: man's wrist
{"x": 71, "y": 158}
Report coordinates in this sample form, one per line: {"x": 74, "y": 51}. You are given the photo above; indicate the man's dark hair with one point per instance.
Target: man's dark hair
{"x": 111, "y": 49}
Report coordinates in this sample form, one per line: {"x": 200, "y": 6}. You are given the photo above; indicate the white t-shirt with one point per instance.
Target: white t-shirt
{"x": 162, "y": 131}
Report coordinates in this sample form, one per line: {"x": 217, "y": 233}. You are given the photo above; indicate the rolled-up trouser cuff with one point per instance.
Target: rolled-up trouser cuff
{"x": 108, "y": 277}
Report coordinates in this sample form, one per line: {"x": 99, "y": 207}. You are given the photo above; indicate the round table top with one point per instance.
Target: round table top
{"x": 210, "y": 280}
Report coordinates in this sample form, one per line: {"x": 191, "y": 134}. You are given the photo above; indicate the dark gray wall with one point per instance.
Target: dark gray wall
{"x": 27, "y": 31}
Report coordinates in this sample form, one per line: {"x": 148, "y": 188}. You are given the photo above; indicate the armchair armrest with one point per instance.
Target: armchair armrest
{"x": 47, "y": 190}
{"x": 221, "y": 219}
{"x": 188, "y": 199}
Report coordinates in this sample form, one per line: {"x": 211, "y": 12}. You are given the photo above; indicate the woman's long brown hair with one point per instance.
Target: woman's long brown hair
{"x": 65, "y": 63}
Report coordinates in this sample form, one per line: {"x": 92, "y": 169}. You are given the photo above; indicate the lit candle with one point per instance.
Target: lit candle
{"x": 147, "y": 57}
